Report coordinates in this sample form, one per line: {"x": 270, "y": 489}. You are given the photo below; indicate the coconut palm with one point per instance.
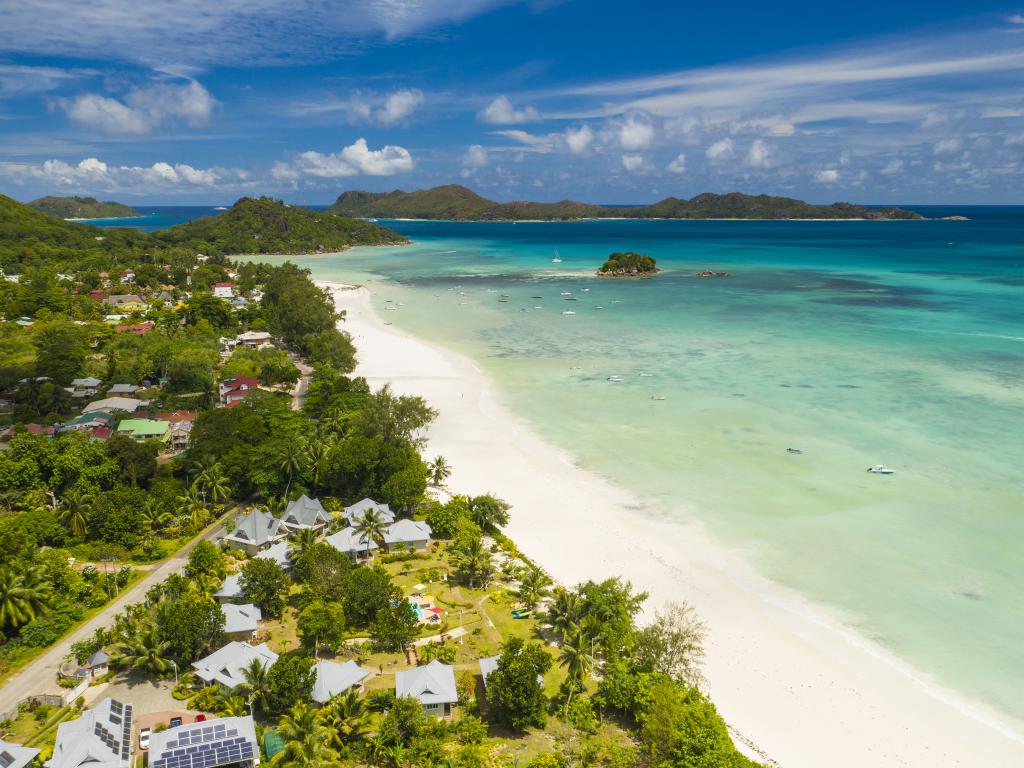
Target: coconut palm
{"x": 276, "y": 505}
{"x": 192, "y": 505}
{"x": 473, "y": 560}
{"x": 304, "y": 742}
{"x": 144, "y": 650}
{"x": 74, "y": 512}
{"x": 256, "y": 687}
{"x": 534, "y": 585}
{"x": 153, "y": 515}
{"x": 300, "y": 541}
{"x": 213, "y": 483}
{"x": 370, "y": 527}
{"x": 231, "y": 706}
{"x": 317, "y": 456}
{"x": 290, "y": 461}
{"x": 439, "y": 471}
{"x": 577, "y": 659}
{"x": 346, "y": 720}
{"x": 23, "y": 596}
{"x": 564, "y": 613}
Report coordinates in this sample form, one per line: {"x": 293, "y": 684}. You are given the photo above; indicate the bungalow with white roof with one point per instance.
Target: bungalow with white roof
{"x": 15, "y": 755}
{"x": 129, "y": 404}
{"x": 255, "y": 531}
{"x": 407, "y": 533}
{"x": 278, "y": 553}
{"x": 217, "y": 743}
{"x": 433, "y": 686}
{"x": 230, "y": 590}
{"x": 86, "y": 387}
{"x": 333, "y": 679}
{"x": 353, "y": 544}
{"x": 253, "y": 339}
{"x": 226, "y": 665}
{"x": 305, "y": 513}
{"x": 241, "y": 621}
{"x": 357, "y": 511}
{"x": 100, "y": 738}
{"x": 122, "y": 389}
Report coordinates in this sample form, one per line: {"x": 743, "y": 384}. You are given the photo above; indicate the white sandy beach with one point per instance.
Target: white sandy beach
{"x": 785, "y": 676}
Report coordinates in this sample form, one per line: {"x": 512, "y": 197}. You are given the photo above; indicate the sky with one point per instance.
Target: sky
{"x": 199, "y": 102}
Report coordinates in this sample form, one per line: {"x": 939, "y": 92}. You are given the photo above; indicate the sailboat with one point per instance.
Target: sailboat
{"x": 557, "y": 259}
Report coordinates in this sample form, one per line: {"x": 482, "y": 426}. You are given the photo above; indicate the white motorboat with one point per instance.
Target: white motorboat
{"x": 557, "y": 259}
{"x": 569, "y": 312}
{"x": 881, "y": 469}
{"x": 615, "y": 379}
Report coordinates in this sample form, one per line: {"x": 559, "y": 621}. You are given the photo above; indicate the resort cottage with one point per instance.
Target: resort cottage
{"x": 230, "y": 590}
{"x": 305, "y": 513}
{"x": 279, "y": 554}
{"x": 241, "y": 621}
{"x": 223, "y": 741}
{"x": 225, "y": 666}
{"x": 353, "y": 544}
{"x": 97, "y": 665}
{"x": 15, "y": 755}
{"x": 255, "y": 531}
{"x": 100, "y": 738}
{"x": 358, "y": 511}
{"x": 333, "y": 679}
{"x": 433, "y": 686}
{"x": 414, "y": 534}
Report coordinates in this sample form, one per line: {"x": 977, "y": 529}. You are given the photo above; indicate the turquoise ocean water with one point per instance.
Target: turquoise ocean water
{"x": 857, "y": 342}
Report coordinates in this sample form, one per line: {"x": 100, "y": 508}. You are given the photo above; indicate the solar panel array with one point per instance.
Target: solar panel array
{"x": 205, "y": 747}
{"x": 6, "y": 759}
{"x": 118, "y": 743}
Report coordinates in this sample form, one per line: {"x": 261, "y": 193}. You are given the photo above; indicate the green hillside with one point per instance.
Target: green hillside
{"x": 457, "y": 203}
{"x": 82, "y": 208}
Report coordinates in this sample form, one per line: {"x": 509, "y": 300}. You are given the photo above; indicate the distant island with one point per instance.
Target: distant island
{"x": 75, "y": 207}
{"x": 454, "y": 202}
{"x": 628, "y": 264}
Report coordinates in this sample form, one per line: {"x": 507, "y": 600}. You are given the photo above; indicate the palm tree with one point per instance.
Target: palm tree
{"x": 439, "y": 471}
{"x": 317, "y": 455}
{"x": 23, "y": 596}
{"x": 257, "y": 684}
{"x": 290, "y": 462}
{"x": 565, "y": 613}
{"x": 213, "y": 483}
{"x": 276, "y": 505}
{"x": 153, "y": 516}
{"x": 577, "y": 659}
{"x": 144, "y": 650}
{"x": 301, "y": 540}
{"x": 370, "y": 527}
{"x": 231, "y": 706}
{"x": 473, "y": 559}
{"x": 305, "y": 744}
{"x": 533, "y": 586}
{"x": 346, "y": 720}
{"x": 74, "y": 514}
{"x": 193, "y": 505}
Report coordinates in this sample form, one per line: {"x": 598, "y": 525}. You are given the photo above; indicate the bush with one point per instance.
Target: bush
{"x": 471, "y": 730}
{"x": 205, "y": 700}
{"x": 45, "y": 630}
{"x": 439, "y": 651}
{"x": 580, "y": 714}
{"x": 378, "y": 701}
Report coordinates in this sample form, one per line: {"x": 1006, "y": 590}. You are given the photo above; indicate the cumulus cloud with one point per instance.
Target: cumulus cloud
{"x": 827, "y": 176}
{"x": 142, "y": 110}
{"x": 476, "y": 157}
{"x": 398, "y": 106}
{"x": 760, "y": 154}
{"x": 634, "y": 163}
{"x": 94, "y": 174}
{"x": 578, "y": 140}
{"x": 947, "y": 146}
{"x": 1017, "y": 18}
{"x": 720, "y": 150}
{"x": 501, "y": 112}
{"x": 892, "y": 168}
{"x": 635, "y": 132}
{"x": 678, "y": 164}
{"x": 357, "y": 158}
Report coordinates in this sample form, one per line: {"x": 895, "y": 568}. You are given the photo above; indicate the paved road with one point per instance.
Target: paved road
{"x": 40, "y": 675}
{"x": 299, "y": 393}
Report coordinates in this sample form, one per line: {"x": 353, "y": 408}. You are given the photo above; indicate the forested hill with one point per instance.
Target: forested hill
{"x": 82, "y": 208}
{"x": 30, "y": 238}
{"x": 457, "y": 203}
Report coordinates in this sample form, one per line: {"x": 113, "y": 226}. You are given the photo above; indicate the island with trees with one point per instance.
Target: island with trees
{"x": 455, "y": 202}
{"x": 628, "y": 264}
{"x": 75, "y": 207}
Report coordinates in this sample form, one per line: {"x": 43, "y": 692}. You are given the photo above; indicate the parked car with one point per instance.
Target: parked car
{"x": 144, "y": 738}
{"x": 175, "y": 722}
{"x": 200, "y": 718}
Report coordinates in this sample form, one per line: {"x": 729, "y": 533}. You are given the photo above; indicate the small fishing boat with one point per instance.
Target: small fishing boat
{"x": 569, "y": 312}
{"x": 793, "y": 450}
{"x": 536, "y": 297}
{"x": 571, "y": 298}
{"x": 557, "y": 259}
{"x": 565, "y": 293}
{"x": 220, "y": 208}
{"x": 504, "y": 297}
{"x": 615, "y": 379}
{"x": 646, "y": 375}
{"x": 657, "y": 397}
{"x": 881, "y": 469}
{"x": 598, "y": 306}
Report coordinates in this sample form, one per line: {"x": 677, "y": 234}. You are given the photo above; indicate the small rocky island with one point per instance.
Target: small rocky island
{"x": 628, "y": 264}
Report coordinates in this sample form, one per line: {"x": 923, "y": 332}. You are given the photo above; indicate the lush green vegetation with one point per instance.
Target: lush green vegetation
{"x": 457, "y": 203}
{"x": 76, "y": 207}
{"x": 628, "y": 264}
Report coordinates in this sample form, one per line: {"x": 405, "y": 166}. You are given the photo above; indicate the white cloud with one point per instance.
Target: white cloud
{"x": 142, "y": 110}
{"x": 537, "y": 143}
{"x": 16, "y": 79}
{"x": 1015, "y": 139}
{"x": 893, "y": 167}
{"x": 355, "y": 159}
{"x": 720, "y": 150}
{"x": 635, "y": 132}
{"x": 579, "y": 139}
{"x": 366, "y": 107}
{"x": 827, "y": 176}
{"x": 476, "y": 157}
{"x": 501, "y": 112}
{"x": 398, "y": 106}
{"x": 634, "y": 163}
{"x": 760, "y": 154}
{"x": 678, "y": 164}
{"x": 947, "y": 146}
{"x": 92, "y": 174}
{"x": 1017, "y": 18}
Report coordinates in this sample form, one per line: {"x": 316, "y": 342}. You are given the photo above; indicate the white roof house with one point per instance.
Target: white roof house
{"x": 351, "y": 543}
{"x": 123, "y": 389}
{"x": 231, "y": 589}
{"x": 89, "y": 382}
{"x": 15, "y": 755}
{"x": 278, "y": 553}
{"x": 407, "y": 532}
{"x": 114, "y": 404}
{"x": 100, "y": 738}
{"x": 433, "y": 686}
{"x": 355, "y": 512}
{"x": 333, "y": 678}
{"x": 209, "y": 744}
{"x": 255, "y": 531}
{"x": 253, "y": 338}
{"x": 240, "y": 618}
{"x": 226, "y": 665}
{"x": 305, "y": 512}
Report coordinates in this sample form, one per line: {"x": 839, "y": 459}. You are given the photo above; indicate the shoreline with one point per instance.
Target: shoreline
{"x": 787, "y": 676}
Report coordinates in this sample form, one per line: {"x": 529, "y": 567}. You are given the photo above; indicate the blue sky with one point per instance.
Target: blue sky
{"x": 195, "y": 101}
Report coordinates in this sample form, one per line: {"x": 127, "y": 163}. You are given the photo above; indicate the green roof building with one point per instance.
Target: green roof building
{"x": 145, "y": 429}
